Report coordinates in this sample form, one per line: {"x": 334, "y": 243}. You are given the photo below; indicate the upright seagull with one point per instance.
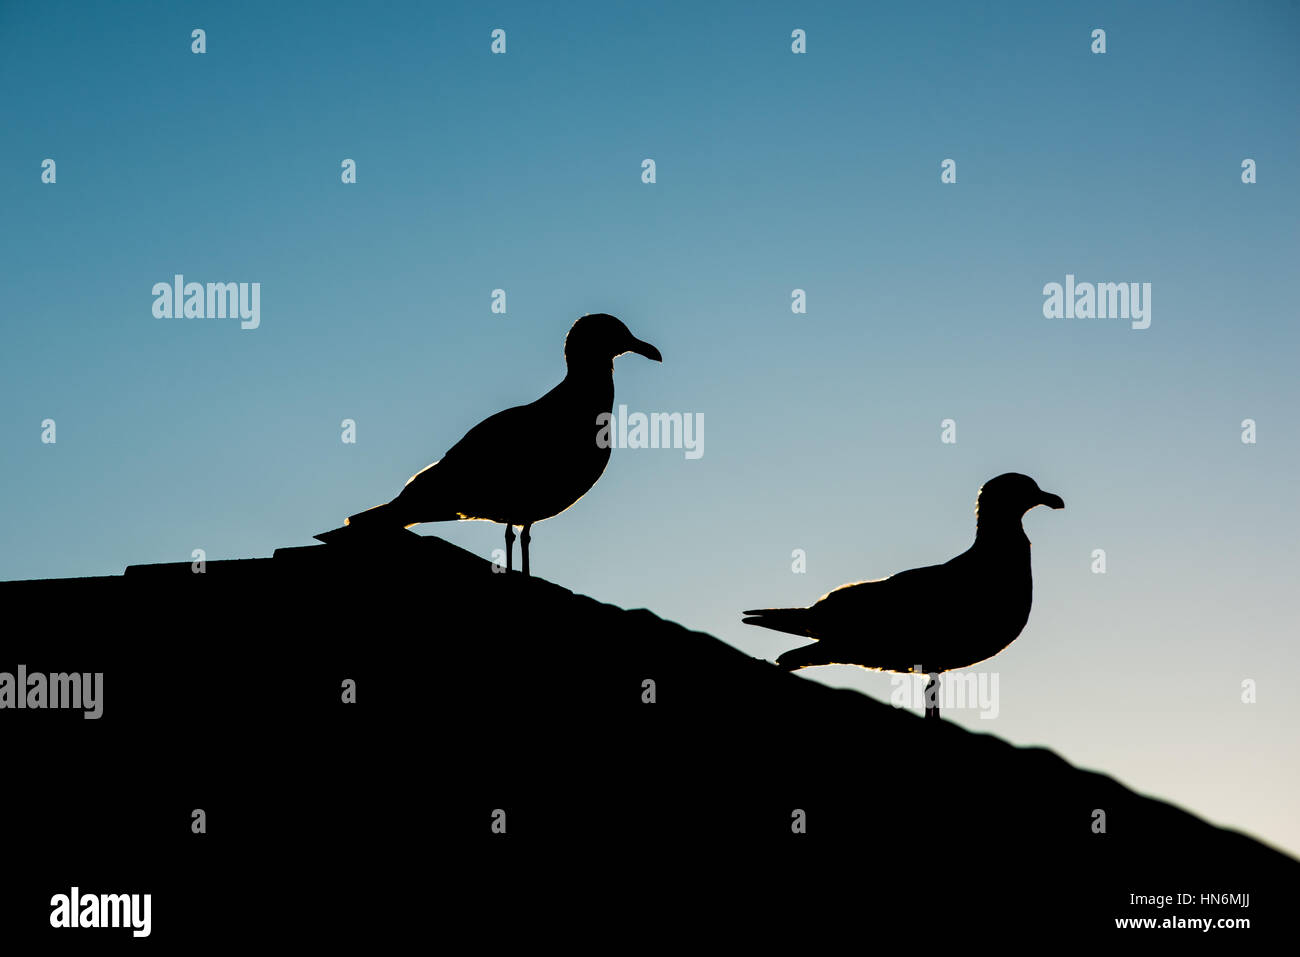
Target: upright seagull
{"x": 941, "y": 617}
{"x": 524, "y": 464}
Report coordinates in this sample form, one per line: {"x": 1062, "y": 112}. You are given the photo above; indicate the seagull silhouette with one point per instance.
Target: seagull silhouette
{"x": 940, "y": 617}
{"x": 527, "y": 463}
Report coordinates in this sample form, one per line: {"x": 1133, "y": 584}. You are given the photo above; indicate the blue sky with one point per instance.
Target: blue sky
{"x": 775, "y": 171}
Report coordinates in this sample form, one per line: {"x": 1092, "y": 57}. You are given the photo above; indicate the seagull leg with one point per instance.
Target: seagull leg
{"x": 932, "y": 696}
{"x": 510, "y": 544}
{"x": 524, "y": 539}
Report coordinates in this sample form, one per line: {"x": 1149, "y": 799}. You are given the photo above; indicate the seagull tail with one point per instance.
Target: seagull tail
{"x": 792, "y": 621}
{"x": 377, "y": 518}
{"x": 805, "y": 656}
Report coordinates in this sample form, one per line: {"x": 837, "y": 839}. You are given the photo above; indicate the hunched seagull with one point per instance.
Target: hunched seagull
{"x": 941, "y": 617}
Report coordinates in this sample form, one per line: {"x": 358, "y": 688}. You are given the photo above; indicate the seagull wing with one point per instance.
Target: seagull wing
{"x": 478, "y": 470}
{"x": 849, "y": 609}
{"x": 860, "y": 608}
{"x": 888, "y": 623}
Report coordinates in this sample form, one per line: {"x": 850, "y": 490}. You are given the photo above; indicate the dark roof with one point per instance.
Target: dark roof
{"x": 479, "y": 691}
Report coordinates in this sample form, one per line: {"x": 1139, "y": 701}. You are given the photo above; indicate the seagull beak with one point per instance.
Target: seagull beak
{"x": 645, "y": 349}
{"x": 1052, "y": 501}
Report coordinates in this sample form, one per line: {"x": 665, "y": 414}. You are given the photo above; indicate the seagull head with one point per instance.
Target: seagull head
{"x": 1010, "y": 495}
{"x": 596, "y": 340}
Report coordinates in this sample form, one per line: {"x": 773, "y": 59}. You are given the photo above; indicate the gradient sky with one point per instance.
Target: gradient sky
{"x": 775, "y": 172}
